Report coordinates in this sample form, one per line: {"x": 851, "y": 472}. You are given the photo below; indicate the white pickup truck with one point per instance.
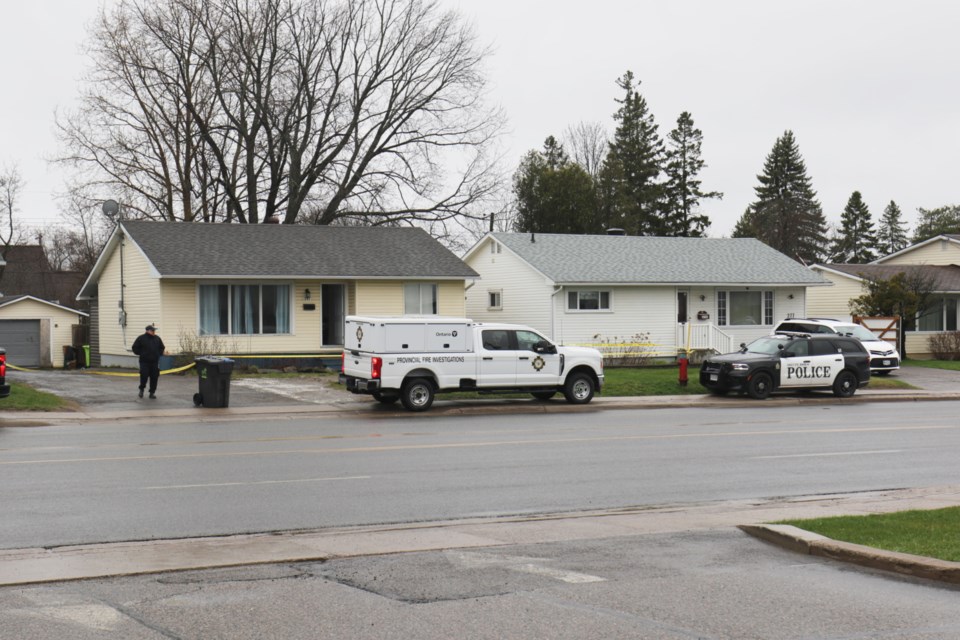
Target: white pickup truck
{"x": 412, "y": 358}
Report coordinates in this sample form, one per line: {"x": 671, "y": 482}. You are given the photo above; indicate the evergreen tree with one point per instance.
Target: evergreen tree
{"x": 855, "y": 243}
{"x": 682, "y": 189}
{"x": 630, "y": 174}
{"x": 554, "y": 195}
{"x": 786, "y": 214}
{"x": 935, "y": 222}
{"x": 892, "y": 234}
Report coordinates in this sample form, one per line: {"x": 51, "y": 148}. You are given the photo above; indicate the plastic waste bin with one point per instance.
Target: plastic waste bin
{"x": 86, "y": 356}
{"x": 214, "y": 374}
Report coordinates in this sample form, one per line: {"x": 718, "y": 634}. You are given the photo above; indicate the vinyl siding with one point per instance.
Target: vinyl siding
{"x": 939, "y": 252}
{"x": 834, "y": 301}
{"x": 385, "y": 298}
{"x": 634, "y": 311}
{"x": 59, "y": 322}
{"x": 525, "y": 292}
{"x": 917, "y": 346}
{"x": 141, "y": 300}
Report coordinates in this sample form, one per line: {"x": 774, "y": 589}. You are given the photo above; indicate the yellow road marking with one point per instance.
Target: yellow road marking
{"x": 492, "y": 443}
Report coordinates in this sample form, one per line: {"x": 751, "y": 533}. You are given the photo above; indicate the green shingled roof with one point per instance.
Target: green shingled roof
{"x": 603, "y": 259}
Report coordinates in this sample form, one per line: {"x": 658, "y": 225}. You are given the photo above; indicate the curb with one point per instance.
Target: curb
{"x": 814, "y": 544}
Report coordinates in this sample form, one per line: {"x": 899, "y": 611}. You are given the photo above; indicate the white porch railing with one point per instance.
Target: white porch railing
{"x": 703, "y": 336}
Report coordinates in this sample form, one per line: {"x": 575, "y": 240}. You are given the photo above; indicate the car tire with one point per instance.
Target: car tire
{"x": 417, "y": 394}
{"x": 579, "y": 388}
{"x": 385, "y": 398}
{"x": 760, "y": 386}
{"x": 543, "y": 395}
{"x": 845, "y": 385}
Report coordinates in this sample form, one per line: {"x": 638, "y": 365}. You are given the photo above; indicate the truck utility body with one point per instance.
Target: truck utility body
{"x": 412, "y": 358}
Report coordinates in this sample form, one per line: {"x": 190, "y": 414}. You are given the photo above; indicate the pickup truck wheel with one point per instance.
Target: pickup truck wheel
{"x": 760, "y": 386}
{"x": 845, "y": 385}
{"x": 543, "y": 395}
{"x": 578, "y": 389}
{"x": 385, "y": 398}
{"x": 417, "y": 394}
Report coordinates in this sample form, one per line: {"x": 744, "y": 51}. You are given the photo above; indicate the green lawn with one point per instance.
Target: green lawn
{"x": 923, "y": 533}
{"x": 25, "y": 398}
{"x": 953, "y": 365}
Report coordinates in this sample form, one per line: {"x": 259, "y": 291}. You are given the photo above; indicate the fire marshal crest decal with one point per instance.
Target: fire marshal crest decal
{"x": 538, "y": 363}
{"x": 359, "y": 334}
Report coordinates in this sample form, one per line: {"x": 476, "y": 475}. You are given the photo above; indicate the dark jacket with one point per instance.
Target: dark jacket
{"x": 148, "y": 347}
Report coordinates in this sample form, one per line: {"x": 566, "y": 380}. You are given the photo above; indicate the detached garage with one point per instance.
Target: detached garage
{"x": 34, "y": 331}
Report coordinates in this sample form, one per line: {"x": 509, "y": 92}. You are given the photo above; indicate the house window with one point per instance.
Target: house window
{"x": 588, "y": 301}
{"x": 244, "y": 309}
{"x": 745, "y": 308}
{"x": 495, "y": 247}
{"x": 941, "y": 316}
{"x": 495, "y": 300}
{"x": 420, "y": 299}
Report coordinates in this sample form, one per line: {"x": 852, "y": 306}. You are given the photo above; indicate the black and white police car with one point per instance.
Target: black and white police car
{"x": 884, "y": 357}
{"x": 790, "y": 362}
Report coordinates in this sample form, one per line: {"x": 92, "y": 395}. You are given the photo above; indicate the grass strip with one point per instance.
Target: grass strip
{"x": 23, "y": 397}
{"x": 951, "y": 365}
{"x": 931, "y": 533}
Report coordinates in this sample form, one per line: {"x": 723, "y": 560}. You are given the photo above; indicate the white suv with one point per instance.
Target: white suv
{"x": 884, "y": 357}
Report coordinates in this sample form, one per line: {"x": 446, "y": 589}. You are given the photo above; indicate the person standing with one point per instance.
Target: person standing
{"x": 149, "y": 347}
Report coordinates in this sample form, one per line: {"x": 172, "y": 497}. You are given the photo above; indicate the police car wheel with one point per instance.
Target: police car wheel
{"x": 760, "y": 386}
{"x": 845, "y": 385}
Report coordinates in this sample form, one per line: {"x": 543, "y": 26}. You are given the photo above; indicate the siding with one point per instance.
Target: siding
{"x": 141, "y": 295}
{"x": 833, "y": 302}
{"x": 939, "y": 252}
{"x": 651, "y": 311}
{"x": 525, "y": 292}
{"x": 58, "y": 322}
{"x": 385, "y": 298}
{"x": 917, "y": 346}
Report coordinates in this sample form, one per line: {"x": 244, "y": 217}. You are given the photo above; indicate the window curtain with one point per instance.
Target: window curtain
{"x": 209, "y": 309}
{"x": 283, "y": 309}
{"x": 246, "y": 310}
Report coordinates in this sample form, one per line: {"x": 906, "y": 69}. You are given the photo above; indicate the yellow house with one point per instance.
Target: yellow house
{"x": 264, "y": 289}
{"x": 34, "y": 331}
{"x": 936, "y": 259}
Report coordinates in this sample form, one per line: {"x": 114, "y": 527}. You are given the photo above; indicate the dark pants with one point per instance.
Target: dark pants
{"x": 151, "y": 371}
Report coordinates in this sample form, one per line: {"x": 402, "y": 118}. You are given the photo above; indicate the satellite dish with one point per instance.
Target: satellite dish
{"x": 110, "y": 208}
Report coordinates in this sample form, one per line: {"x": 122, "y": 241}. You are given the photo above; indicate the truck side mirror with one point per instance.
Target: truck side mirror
{"x": 544, "y": 347}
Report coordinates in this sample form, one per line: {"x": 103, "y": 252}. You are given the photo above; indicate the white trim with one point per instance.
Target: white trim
{"x": 821, "y": 267}
{"x": 20, "y": 298}
{"x": 316, "y": 277}
{"x": 578, "y": 290}
{"x": 765, "y": 285}
{"x": 491, "y": 236}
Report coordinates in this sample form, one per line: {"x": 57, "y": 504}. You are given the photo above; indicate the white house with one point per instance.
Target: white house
{"x": 675, "y": 293}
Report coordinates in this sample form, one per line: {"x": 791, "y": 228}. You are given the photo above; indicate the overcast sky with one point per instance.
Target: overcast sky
{"x": 869, "y": 87}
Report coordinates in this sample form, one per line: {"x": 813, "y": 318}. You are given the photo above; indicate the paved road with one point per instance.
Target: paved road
{"x": 111, "y": 482}
{"x": 679, "y": 586}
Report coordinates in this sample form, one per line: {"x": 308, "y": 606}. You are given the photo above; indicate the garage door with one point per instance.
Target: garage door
{"x": 21, "y": 339}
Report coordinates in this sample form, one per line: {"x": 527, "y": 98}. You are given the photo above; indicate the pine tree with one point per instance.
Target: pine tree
{"x": 682, "y": 189}
{"x": 786, "y": 214}
{"x": 935, "y": 222}
{"x": 630, "y": 174}
{"x": 856, "y": 242}
{"x": 892, "y": 234}
{"x": 554, "y": 195}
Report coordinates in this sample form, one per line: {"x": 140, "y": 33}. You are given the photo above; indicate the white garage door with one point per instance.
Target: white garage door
{"x": 21, "y": 339}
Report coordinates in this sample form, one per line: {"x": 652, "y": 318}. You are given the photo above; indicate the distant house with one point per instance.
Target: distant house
{"x": 262, "y": 289}
{"x": 27, "y": 272}
{"x": 937, "y": 259}
{"x": 697, "y": 293}
{"x": 34, "y": 331}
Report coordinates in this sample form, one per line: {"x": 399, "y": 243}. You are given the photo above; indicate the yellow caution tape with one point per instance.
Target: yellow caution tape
{"x": 16, "y": 368}
{"x": 134, "y": 375}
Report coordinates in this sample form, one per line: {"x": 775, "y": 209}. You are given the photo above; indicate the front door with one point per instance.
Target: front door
{"x": 333, "y": 306}
{"x": 682, "y": 311}
{"x": 535, "y": 368}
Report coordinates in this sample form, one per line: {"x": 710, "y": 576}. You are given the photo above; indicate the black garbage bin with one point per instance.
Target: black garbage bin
{"x": 214, "y": 374}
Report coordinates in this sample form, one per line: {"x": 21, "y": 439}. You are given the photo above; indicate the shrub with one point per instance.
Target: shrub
{"x": 634, "y": 351}
{"x": 193, "y": 344}
{"x": 945, "y": 346}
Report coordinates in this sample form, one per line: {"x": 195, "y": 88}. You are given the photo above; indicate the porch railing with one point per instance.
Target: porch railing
{"x": 698, "y": 337}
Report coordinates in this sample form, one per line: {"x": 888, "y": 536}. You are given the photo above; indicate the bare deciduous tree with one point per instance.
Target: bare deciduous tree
{"x": 587, "y": 144}
{"x": 11, "y": 184}
{"x": 317, "y": 111}
{"x": 75, "y": 243}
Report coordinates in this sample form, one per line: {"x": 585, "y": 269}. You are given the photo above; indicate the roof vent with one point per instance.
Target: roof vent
{"x": 615, "y": 231}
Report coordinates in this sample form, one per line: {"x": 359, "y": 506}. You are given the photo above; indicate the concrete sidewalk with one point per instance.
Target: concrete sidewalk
{"x": 27, "y": 566}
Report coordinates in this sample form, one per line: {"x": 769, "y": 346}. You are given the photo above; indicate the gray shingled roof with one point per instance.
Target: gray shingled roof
{"x": 571, "y": 259}
{"x": 945, "y": 277}
{"x": 181, "y": 249}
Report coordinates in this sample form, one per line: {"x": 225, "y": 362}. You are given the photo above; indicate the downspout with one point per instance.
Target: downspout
{"x": 553, "y": 313}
